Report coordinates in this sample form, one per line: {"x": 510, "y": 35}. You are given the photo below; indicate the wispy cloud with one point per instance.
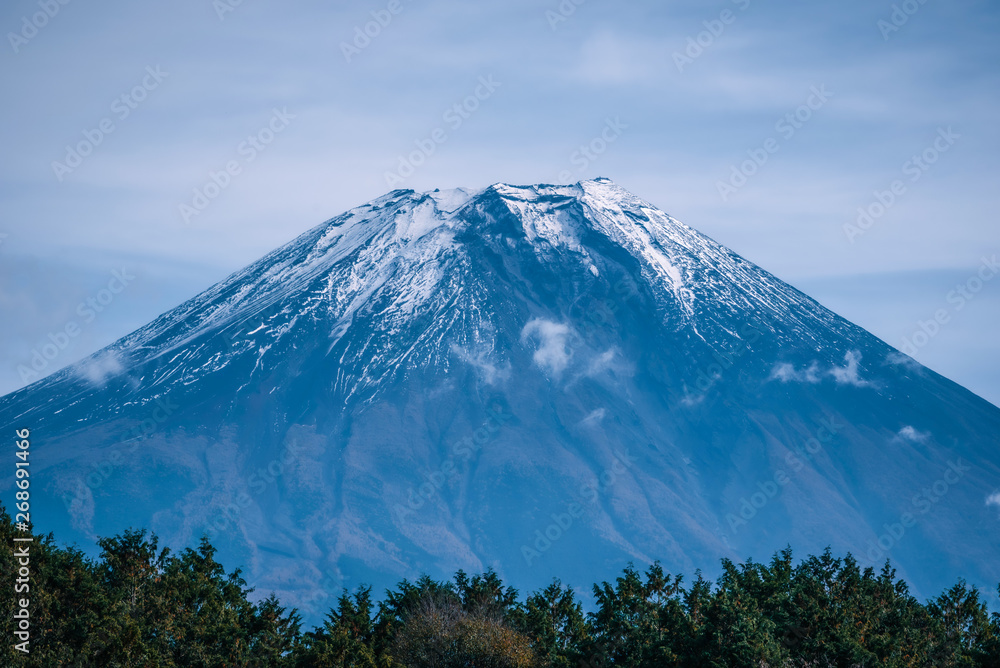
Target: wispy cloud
{"x": 100, "y": 368}
{"x": 913, "y": 435}
{"x": 594, "y": 417}
{"x": 849, "y": 374}
{"x": 552, "y": 353}
{"x": 787, "y": 373}
{"x": 479, "y": 360}
{"x": 993, "y": 499}
{"x": 899, "y": 359}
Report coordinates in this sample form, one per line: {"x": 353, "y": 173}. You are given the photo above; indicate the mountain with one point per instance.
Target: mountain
{"x": 546, "y": 380}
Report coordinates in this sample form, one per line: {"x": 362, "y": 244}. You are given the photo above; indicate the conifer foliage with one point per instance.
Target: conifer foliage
{"x": 139, "y": 605}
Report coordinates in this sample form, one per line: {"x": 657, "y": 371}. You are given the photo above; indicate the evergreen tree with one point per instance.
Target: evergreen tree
{"x": 968, "y": 633}
{"x": 554, "y": 622}
{"x": 275, "y": 633}
{"x": 637, "y": 622}
{"x": 129, "y": 568}
{"x": 735, "y": 631}
{"x": 346, "y": 639}
{"x": 207, "y": 616}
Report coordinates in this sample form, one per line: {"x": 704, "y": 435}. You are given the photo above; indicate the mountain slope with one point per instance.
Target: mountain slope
{"x": 545, "y": 380}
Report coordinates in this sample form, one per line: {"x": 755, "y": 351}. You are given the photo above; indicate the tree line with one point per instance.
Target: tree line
{"x": 138, "y": 604}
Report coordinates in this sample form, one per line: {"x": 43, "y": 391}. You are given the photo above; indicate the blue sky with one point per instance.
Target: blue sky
{"x": 764, "y": 125}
